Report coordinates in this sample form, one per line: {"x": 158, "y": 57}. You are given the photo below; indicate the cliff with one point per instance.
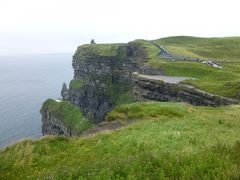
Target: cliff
{"x": 102, "y": 79}
{"x": 147, "y": 89}
{"x": 165, "y": 139}
{"x": 62, "y": 118}
{"x": 105, "y": 75}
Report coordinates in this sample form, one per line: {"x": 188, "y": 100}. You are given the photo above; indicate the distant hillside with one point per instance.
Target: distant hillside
{"x": 224, "y": 82}
{"x": 222, "y": 49}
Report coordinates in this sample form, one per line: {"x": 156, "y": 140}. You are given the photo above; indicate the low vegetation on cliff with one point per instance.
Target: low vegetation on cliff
{"x": 77, "y": 83}
{"x": 182, "y": 141}
{"x": 105, "y": 50}
{"x": 67, "y": 113}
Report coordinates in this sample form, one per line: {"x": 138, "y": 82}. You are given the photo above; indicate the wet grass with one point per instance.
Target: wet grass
{"x": 191, "y": 143}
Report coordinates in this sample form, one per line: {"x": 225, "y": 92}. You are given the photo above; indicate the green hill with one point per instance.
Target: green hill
{"x": 224, "y": 82}
{"x": 167, "y": 140}
{"x": 222, "y": 49}
{"x": 158, "y": 140}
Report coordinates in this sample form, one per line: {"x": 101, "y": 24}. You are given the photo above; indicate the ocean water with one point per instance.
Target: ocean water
{"x": 25, "y": 83}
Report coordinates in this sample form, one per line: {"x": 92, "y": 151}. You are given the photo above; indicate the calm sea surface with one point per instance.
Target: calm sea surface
{"x": 25, "y": 82}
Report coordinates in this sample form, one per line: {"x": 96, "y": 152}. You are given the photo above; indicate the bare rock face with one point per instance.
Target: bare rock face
{"x": 52, "y": 125}
{"x": 146, "y": 89}
{"x": 64, "y": 92}
{"x": 99, "y": 82}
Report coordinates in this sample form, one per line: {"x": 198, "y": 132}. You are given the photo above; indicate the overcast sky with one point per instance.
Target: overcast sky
{"x": 59, "y": 26}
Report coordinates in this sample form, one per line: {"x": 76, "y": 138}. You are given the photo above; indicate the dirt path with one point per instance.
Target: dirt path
{"x": 167, "y": 55}
{"x": 105, "y": 126}
{"x": 168, "y": 79}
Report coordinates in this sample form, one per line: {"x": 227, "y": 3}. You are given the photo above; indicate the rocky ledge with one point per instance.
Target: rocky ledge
{"x": 62, "y": 118}
{"x": 104, "y": 77}
{"x": 168, "y": 89}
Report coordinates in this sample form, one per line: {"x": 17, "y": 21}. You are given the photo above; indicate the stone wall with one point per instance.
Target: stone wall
{"x": 148, "y": 89}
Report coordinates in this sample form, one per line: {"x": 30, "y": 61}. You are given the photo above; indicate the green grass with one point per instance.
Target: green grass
{"x": 119, "y": 93}
{"x": 146, "y": 110}
{"x": 222, "y": 49}
{"x": 174, "y": 141}
{"x": 69, "y": 114}
{"x": 107, "y": 50}
{"x": 150, "y": 51}
{"x": 77, "y": 83}
{"x": 224, "y": 82}
{"x": 167, "y": 140}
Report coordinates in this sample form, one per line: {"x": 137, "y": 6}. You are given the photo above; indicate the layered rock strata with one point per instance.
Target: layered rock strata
{"x": 146, "y": 89}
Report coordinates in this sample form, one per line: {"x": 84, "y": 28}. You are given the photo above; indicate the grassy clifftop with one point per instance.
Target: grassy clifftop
{"x": 69, "y": 114}
{"x": 224, "y": 82}
{"x": 222, "y": 49}
{"x": 181, "y": 142}
{"x": 106, "y": 50}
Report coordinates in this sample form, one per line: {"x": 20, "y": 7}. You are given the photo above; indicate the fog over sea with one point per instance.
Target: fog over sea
{"x": 26, "y": 81}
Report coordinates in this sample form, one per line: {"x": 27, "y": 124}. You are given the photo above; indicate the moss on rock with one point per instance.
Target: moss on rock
{"x": 67, "y": 113}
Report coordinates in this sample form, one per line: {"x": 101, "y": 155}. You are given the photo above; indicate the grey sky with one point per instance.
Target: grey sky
{"x": 59, "y": 26}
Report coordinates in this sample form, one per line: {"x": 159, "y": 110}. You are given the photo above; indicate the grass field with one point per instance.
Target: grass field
{"x": 107, "y": 50}
{"x": 221, "y": 49}
{"x": 182, "y": 141}
{"x": 224, "y": 82}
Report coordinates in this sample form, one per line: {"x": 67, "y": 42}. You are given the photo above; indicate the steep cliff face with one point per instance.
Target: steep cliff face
{"x": 102, "y": 79}
{"x": 52, "y": 125}
{"x": 146, "y": 89}
{"x": 104, "y": 76}
{"x": 62, "y": 118}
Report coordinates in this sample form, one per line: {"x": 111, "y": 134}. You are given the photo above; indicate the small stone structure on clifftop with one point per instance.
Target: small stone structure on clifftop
{"x": 92, "y": 41}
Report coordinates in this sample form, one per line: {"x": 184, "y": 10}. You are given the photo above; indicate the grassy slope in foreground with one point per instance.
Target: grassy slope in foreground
{"x": 182, "y": 141}
{"x": 70, "y": 115}
{"x": 224, "y": 82}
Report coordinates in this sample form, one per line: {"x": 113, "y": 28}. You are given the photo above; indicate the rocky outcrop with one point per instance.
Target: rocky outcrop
{"x": 52, "y": 124}
{"x": 146, "y": 89}
{"x": 100, "y": 81}
{"x": 64, "y": 92}
{"x": 62, "y": 118}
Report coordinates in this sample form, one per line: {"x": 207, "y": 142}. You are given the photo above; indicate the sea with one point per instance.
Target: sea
{"x": 26, "y": 81}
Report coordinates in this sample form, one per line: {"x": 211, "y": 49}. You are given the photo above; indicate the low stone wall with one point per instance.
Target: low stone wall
{"x": 149, "y": 89}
